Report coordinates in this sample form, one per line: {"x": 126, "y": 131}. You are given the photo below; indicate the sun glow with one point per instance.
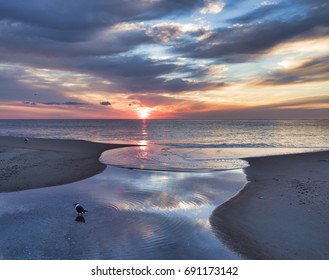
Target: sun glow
{"x": 144, "y": 112}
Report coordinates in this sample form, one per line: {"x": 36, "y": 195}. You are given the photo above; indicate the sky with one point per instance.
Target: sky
{"x": 164, "y": 59}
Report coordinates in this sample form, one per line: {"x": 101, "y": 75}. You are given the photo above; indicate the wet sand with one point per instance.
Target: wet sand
{"x": 283, "y": 212}
{"x": 47, "y": 162}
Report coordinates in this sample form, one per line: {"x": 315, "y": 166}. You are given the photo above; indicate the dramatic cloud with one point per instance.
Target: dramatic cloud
{"x": 212, "y": 7}
{"x": 314, "y": 70}
{"x": 172, "y": 56}
{"x": 237, "y": 44}
{"x": 166, "y": 32}
{"x": 39, "y": 41}
{"x": 85, "y": 28}
{"x": 85, "y": 14}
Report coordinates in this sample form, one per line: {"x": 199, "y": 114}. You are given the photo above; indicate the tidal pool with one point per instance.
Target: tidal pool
{"x": 132, "y": 214}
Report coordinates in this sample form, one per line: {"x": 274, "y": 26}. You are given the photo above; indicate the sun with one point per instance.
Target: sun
{"x": 143, "y": 112}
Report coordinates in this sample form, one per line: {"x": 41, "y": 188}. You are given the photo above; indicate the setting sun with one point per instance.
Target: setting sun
{"x": 143, "y": 112}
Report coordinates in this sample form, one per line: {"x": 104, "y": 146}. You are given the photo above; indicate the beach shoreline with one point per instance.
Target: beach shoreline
{"x": 43, "y": 162}
{"x": 283, "y": 210}
{"x": 281, "y": 213}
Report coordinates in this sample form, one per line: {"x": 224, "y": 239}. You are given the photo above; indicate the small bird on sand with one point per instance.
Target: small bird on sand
{"x": 80, "y": 209}
{"x": 26, "y": 140}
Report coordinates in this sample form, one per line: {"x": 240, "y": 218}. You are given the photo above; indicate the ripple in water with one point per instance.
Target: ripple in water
{"x": 156, "y": 157}
{"x": 132, "y": 214}
{"x": 169, "y": 158}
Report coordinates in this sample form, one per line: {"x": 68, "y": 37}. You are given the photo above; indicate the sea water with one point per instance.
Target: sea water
{"x": 195, "y": 145}
{"x": 180, "y": 133}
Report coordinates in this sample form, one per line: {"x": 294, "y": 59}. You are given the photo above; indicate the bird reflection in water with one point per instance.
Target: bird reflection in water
{"x": 80, "y": 219}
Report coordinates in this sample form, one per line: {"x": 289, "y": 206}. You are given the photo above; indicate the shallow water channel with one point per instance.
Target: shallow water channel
{"x": 132, "y": 214}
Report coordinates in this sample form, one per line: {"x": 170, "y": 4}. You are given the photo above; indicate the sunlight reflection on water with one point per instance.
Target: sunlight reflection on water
{"x": 158, "y": 157}
{"x": 133, "y": 214}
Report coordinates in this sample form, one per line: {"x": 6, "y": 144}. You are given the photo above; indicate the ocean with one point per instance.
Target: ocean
{"x": 180, "y": 133}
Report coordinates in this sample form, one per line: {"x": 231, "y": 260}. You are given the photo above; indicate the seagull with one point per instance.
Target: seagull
{"x": 26, "y": 140}
{"x": 80, "y": 209}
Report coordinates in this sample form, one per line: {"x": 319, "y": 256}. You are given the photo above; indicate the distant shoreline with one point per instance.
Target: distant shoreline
{"x": 282, "y": 212}
{"x": 48, "y": 162}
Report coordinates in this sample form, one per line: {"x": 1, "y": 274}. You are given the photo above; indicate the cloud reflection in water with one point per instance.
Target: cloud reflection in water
{"x": 133, "y": 214}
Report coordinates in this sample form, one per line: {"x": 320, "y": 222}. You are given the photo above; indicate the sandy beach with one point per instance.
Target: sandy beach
{"x": 283, "y": 212}
{"x": 47, "y": 162}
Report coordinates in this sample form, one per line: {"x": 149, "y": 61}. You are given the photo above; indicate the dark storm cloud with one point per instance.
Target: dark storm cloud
{"x": 238, "y": 44}
{"x": 315, "y": 70}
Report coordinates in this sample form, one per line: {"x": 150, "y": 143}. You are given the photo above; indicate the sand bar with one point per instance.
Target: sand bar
{"x": 283, "y": 212}
{"x": 171, "y": 158}
{"x": 47, "y": 162}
